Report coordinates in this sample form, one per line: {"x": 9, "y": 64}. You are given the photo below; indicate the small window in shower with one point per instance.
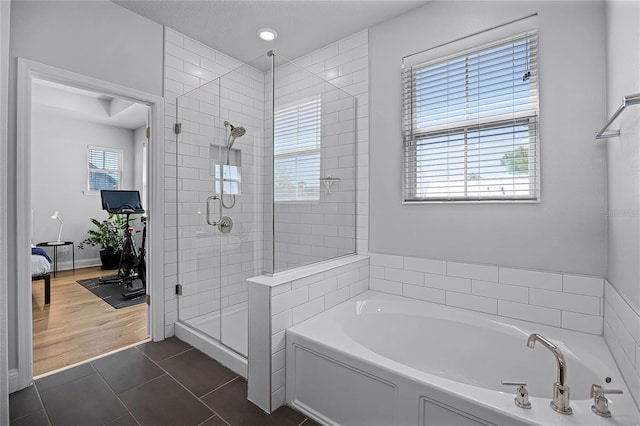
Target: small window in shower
{"x": 297, "y": 136}
{"x": 226, "y": 167}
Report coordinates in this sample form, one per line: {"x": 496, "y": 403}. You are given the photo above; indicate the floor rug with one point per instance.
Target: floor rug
{"x": 111, "y": 293}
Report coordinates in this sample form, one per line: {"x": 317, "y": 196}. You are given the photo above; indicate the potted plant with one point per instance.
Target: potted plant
{"x": 109, "y": 237}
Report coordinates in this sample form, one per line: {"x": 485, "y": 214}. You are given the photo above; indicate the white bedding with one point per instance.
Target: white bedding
{"x": 39, "y": 265}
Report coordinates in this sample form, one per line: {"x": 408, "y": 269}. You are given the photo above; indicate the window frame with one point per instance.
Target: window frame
{"x": 90, "y": 170}
{"x": 413, "y": 135}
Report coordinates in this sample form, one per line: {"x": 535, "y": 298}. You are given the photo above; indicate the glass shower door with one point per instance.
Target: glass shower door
{"x": 198, "y": 239}
{"x": 242, "y": 94}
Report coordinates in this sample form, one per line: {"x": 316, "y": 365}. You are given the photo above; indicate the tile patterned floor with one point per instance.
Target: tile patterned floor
{"x": 164, "y": 383}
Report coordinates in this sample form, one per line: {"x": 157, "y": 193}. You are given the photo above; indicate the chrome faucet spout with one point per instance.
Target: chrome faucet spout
{"x": 562, "y": 365}
{"x": 560, "y": 402}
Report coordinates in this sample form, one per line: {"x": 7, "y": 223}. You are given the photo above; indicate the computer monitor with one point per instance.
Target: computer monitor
{"x": 121, "y": 201}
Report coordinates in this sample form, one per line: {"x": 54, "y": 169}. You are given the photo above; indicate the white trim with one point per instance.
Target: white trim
{"x": 23, "y": 229}
{"x": 212, "y": 347}
{"x": 27, "y": 70}
{"x": 155, "y": 221}
{"x": 5, "y": 9}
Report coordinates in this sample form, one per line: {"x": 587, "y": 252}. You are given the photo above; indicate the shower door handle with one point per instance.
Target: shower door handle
{"x": 213, "y": 197}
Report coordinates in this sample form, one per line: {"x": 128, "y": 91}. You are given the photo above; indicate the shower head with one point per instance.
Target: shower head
{"x": 235, "y": 132}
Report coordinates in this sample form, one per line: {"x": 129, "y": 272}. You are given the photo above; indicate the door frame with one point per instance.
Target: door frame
{"x": 5, "y": 12}
{"x": 27, "y": 71}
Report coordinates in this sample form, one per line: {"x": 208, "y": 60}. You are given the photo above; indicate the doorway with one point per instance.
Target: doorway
{"x": 29, "y": 72}
{"x": 83, "y": 142}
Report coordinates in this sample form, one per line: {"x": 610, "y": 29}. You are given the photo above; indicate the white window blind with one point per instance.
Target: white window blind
{"x": 297, "y": 136}
{"x": 471, "y": 124}
{"x": 105, "y": 167}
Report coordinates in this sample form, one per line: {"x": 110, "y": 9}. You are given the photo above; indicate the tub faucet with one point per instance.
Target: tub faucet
{"x": 560, "y": 402}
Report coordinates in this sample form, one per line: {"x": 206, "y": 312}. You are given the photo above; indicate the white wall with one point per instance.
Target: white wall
{"x": 140, "y": 163}
{"x": 79, "y": 37}
{"x": 565, "y": 232}
{"x": 59, "y": 179}
{"x": 622, "y": 292}
{"x": 623, "y": 78}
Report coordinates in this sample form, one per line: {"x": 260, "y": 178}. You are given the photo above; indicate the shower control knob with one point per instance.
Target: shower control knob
{"x": 522, "y": 394}
{"x": 225, "y": 224}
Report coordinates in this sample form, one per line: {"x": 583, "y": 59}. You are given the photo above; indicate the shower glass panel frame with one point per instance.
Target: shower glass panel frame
{"x": 300, "y": 138}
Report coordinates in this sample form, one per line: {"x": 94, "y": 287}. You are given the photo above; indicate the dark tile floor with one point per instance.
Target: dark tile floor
{"x": 164, "y": 383}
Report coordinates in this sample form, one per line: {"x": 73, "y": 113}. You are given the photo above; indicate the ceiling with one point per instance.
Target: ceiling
{"x": 62, "y": 101}
{"x": 303, "y": 26}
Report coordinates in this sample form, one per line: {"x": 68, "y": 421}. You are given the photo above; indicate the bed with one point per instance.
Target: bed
{"x": 40, "y": 267}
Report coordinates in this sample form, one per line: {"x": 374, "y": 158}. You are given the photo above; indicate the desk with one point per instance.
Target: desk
{"x": 55, "y": 245}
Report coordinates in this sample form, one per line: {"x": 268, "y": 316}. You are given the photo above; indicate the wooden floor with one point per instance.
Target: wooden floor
{"x": 78, "y": 325}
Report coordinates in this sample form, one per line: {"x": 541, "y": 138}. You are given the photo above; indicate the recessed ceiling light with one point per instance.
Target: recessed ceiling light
{"x": 267, "y": 34}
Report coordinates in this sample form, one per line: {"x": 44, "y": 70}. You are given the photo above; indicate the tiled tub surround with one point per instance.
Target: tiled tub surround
{"x": 279, "y": 302}
{"x": 563, "y": 300}
{"x": 622, "y": 333}
{"x": 381, "y": 359}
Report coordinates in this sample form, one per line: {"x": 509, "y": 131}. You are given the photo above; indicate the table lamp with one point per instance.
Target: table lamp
{"x": 56, "y": 215}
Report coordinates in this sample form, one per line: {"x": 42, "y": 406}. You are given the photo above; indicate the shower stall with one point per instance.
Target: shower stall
{"x": 265, "y": 182}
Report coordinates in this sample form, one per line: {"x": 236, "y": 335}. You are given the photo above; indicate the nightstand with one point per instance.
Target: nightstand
{"x": 55, "y": 245}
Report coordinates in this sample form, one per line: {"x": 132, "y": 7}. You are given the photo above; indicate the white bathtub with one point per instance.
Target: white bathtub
{"x": 385, "y": 360}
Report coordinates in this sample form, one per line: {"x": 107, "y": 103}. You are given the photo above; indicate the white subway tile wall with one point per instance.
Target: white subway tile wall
{"x": 192, "y": 248}
{"x": 562, "y": 300}
{"x": 295, "y": 301}
{"x": 622, "y": 333}
{"x": 309, "y": 232}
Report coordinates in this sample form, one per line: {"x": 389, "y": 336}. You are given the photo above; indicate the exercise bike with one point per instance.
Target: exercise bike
{"x": 138, "y": 282}
{"x": 131, "y": 267}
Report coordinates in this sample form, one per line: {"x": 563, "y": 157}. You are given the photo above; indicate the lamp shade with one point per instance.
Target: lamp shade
{"x": 54, "y": 215}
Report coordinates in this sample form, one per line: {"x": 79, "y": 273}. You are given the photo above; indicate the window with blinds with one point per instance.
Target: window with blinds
{"x": 297, "y": 136}
{"x": 471, "y": 125}
{"x": 105, "y": 168}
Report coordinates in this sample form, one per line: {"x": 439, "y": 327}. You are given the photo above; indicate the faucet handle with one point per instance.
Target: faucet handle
{"x": 600, "y": 402}
{"x": 522, "y": 394}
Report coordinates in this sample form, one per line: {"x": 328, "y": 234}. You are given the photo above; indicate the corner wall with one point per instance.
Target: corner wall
{"x": 279, "y": 302}
{"x": 622, "y": 291}
{"x": 565, "y": 231}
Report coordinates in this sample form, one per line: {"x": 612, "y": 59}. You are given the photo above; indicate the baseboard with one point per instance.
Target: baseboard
{"x": 67, "y": 265}
{"x": 14, "y": 381}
